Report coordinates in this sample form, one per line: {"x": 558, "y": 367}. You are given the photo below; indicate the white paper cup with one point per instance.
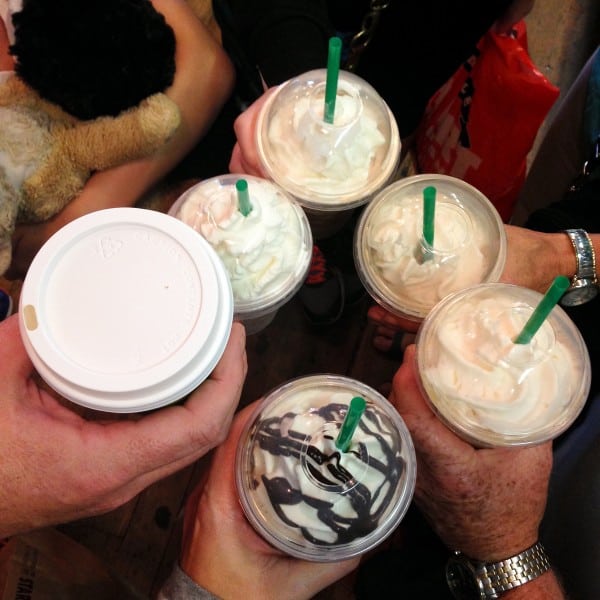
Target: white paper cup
{"x": 125, "y": 310}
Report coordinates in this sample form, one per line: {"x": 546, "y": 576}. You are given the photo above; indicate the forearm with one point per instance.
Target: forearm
{"x": 534, "y": 259}
{"x": 545, "y": 587}
{"x": 565, "y": 253}
{"x": 203, "y": 81}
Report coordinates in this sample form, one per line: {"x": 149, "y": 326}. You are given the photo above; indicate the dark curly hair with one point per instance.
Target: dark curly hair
{"x": 93, "y": 57}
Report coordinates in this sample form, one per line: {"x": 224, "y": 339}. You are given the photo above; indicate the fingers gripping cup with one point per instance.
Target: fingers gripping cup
{"x": 490, "y": 390}
{"x": 261, "y": 235}
{"x": 306, "y": 496}
{"x": 401, "y": 270}
{"x": 125, "y": 310}
{"x": 329, "y": 168}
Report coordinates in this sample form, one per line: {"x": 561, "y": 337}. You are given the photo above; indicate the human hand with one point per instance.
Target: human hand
{"x": 517, "y": 10}
{"x": 535, "y": 259}
{"x": 58, "y": 466}
{"x": 387, "y": 326}
{"x": 222, "y": 552}
{"x": 244, "y": 157}
{"x": 488, "y": 503}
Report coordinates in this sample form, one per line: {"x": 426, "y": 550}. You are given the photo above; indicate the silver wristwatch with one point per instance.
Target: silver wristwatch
{"x": 584, "y": 285}
{"x": 469, "y": 579}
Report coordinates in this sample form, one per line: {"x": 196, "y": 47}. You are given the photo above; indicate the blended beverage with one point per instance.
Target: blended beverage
{"x": 266, "y": 252}
{"x": 490, "y": 390}
{"x": 400, "y": 270}
{"x": 328, "y": 167}
{"x": 304, "y": 495}
{"x": 125, "y": 310}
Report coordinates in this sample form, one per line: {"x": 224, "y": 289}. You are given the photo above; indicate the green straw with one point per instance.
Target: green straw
{"x": 333, "y": 70}
{"x": 355, "y": 412}
{"x": 244, "y": 204}
{"x": 428, "y": 214}
{"x": 543, "y": 309}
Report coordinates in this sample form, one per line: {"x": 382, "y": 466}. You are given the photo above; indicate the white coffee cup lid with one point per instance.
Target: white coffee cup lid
{"x": 125, "y": 310}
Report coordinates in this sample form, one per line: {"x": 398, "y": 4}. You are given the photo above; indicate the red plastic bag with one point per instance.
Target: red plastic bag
{"x": 482, "y": 123}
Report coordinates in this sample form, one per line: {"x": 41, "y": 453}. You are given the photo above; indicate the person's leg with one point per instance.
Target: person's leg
{"x": 561, "y": 154}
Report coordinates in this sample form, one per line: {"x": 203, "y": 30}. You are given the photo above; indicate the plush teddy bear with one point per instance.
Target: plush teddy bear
{"x": 86, "y": 95}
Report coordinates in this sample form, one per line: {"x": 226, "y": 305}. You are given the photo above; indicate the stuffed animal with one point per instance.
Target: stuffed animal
{"x": 86, "y": 95}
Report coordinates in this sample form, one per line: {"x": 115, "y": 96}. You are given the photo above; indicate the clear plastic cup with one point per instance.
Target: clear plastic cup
{"x": 125, "y": 310}
{"x": 469, "y": 245}
{"x": 266, "y": 253}
{"x": 306, "y": 497}
{"x": 489, "y": 390}
{"x": 329, "y": 168}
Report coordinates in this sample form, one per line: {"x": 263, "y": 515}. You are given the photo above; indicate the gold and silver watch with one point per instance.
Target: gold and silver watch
{"x": 584, "y": 284}
{"x": 469, "y": 579}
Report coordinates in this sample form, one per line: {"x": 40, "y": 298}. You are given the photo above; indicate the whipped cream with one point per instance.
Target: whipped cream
{"x": 328, "y": 159}
{"x": 266, "y": 252}
{"x": 305, "y": 488}
{"x": 478, "y": 378}
{"x": 462, "y": 252}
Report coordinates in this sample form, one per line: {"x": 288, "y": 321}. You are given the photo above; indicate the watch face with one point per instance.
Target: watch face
{"x": 579, "y": 295}
{"x": 462, "y": 581}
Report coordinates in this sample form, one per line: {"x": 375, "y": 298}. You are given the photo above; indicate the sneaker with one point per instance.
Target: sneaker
{"x": 322, "y": 293}
{"x": 6, "y": 305}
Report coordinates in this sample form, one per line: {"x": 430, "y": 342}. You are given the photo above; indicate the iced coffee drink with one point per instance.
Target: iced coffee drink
{"x": 266, "y": 251}
{"x": 304, "y": 495}
{"x": 406, "y": 275}
{"x": 328, "y": 167}
{"x": 490, "y": 390}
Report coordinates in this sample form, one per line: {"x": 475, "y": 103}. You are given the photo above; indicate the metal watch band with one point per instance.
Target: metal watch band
{"x": 584, "y": 254}
{"x": 512, "y": 572}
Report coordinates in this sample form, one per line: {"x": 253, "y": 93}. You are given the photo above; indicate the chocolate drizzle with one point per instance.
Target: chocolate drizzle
{"x": 274, "y": 437}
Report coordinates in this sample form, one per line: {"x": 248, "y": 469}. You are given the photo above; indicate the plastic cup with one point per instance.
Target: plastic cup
{"x": 328, "y": 168}
{"x": 489, "y": 390}
{"x": 266, "y": 253}
{"x": 125, "y": 310}
{"x": 301, "y": 493}
{"x": 405, "y": 275}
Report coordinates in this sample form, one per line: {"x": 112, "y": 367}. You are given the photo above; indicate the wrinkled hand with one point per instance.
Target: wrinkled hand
{"x": 223, "y": 553}
{"x": 244, "y": 157}
{"x": 488, "y": 503}
{"x": 56, "y": 466}
{"x": 534, "y": 259}
{"x": 517, "y": 10}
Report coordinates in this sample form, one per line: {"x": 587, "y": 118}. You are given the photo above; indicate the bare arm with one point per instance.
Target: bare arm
{"x": 534, "y": 259}
{"x": 203, "y": 81}
{"x": 488, "y": 503}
